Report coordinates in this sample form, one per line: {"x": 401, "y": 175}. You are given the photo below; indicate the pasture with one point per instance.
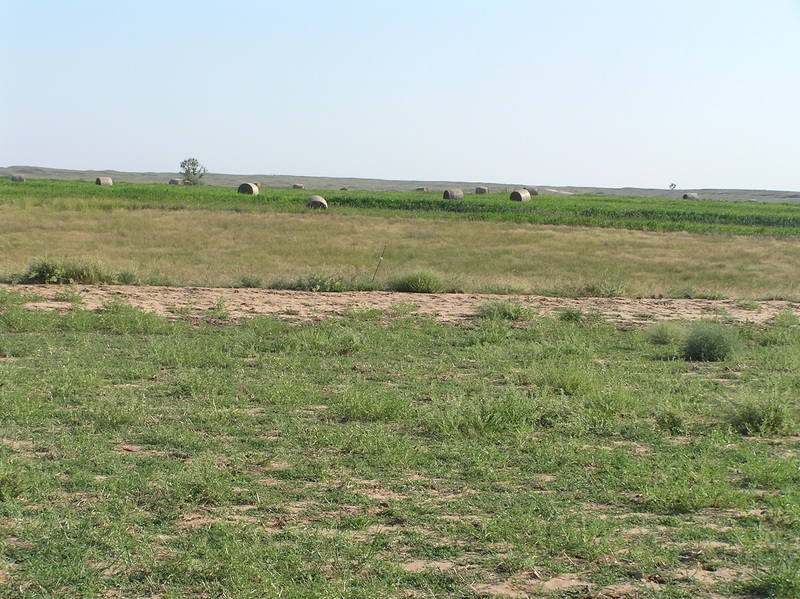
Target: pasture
{"x": 383, "y": 452}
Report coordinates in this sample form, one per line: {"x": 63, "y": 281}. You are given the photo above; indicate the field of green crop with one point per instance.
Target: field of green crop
{"x": 587, "y": 210}
{"x": 384, "y": 453}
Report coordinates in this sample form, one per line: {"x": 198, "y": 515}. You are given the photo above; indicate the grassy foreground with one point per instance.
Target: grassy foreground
{"x": 388, "y": 455}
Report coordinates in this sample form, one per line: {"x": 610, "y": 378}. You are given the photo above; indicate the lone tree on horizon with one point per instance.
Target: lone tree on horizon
{"x": 193, "y": 171}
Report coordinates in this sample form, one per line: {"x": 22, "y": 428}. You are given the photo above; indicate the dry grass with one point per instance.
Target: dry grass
{"x": 216, "y": 248}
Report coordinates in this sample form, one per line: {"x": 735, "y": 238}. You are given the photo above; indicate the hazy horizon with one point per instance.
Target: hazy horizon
{"x": 700, "y": 93}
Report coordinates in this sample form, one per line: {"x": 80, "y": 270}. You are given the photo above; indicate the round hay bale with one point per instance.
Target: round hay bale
{"x": 104, "y": 181}
{"x": 481, "y": 190}
{"x": 316, "y": 202}
{"x": 520, "y": 195}
{"x": 250, "y": 189}
{"x": 298, "y": 186}
{"x": 176, "y": 181}
{"x": 691, "y": 196}
{"x": 18, "y": 178}
{"x": 187, "y": 182}
{"x": 421, "y": 189}
{"x": 453, "y": 194}
{"x": 342, "y": 189}
{"x": 532, "y": 190}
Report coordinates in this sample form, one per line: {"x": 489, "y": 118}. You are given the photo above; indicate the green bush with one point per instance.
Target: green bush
{"x": 710, "y": 343}
{"x": 758, "y": 417}
{"x": 421, "y": 281}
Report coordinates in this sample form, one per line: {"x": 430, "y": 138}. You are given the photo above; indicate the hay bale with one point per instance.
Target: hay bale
{"x": 691, "y": 196}
{"x": 187, "y": 182}
{"x": 316, "y": 202}
{"x": 421, "y": 189}
{"x": 520, "y": 195}
{"x": 176, "y": 181}
{"x": 532, "y": 190}
{"x": 481, "y": 190}
{"x": 342, "y": 189}
{"x": 453, "y": 194}
{"x": 104, "y": 181}
{"x": 298, "y": 186}
{"x": 18, "y": 178}
{"x": 250, "y": 189}
{"x": 258, "y": 184}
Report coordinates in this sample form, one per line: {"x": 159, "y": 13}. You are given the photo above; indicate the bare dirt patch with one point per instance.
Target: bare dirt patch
{"x": 204, "y": 303}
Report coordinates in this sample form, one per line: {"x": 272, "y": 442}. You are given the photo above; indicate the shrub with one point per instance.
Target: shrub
{"x": 710, "y": 343}
{"x": 421, "y": 281}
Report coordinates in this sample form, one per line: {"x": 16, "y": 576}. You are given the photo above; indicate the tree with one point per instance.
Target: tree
{"x": 193, "y": 171}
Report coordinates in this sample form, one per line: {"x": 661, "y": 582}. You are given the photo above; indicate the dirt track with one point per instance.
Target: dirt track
{"x": 208, "y": 303}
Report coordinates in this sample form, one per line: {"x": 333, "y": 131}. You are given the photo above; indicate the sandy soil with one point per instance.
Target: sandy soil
{"x": 209, "y": 303}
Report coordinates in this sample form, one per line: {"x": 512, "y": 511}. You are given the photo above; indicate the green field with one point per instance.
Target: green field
{"x": 384, "y": 453}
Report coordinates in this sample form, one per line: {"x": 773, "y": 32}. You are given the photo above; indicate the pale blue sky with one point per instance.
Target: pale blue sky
{"x": 644, "y": 93}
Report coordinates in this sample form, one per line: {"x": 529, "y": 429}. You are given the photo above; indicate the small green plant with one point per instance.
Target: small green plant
{"x": 571, "y": 314}
{"x": 708, "y": 342}
{"x": 504, "y": 309}
{"x": 220, "y": 309}
{"x": 421, "y": 281}
{"x": 71, "y": 295}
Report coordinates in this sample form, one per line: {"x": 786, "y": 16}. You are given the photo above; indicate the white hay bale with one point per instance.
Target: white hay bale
{"x": 481, "y": 190}
{"x": 187, "y": 182}
{"x": 421, "y": 189}
{"x": 317, "y": 202}
{"x": 176, "y": 181}
{"x": 104, "y": 181}
{"x": 18, "y": 178}
{"x": 532, "y": 190}
{"x": 520, "y": 195}
{"x": 691, "y": 196}
{"x": 250, "y": 189}
{"x": 453, "y": 194}
{"x": 298, "y": 186}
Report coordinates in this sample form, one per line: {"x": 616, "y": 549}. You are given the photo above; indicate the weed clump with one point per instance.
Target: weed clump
{"x": 71, "y": 271}
{"x": 421, "y": 281}
{"x": 752, "y": 417}
{"x": 710, "y": 343}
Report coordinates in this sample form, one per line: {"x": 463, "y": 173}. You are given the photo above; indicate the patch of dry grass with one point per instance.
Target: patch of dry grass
{"x": 217, "y": 248}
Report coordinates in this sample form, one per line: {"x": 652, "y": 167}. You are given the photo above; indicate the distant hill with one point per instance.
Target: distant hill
{"x": 223, "y": 180}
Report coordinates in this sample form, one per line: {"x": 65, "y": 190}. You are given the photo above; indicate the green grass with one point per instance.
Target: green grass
{"x": 390, "y": 455}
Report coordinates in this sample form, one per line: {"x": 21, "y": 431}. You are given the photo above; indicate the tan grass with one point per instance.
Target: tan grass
{"x": 215, "y": 248}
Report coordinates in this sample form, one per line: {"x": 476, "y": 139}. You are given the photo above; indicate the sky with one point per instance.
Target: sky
{"x": 606, "y": 93}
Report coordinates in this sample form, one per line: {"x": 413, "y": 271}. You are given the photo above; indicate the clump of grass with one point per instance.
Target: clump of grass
{"x": 755, "y": 416}
{"x": 71, "y": 271}
{"x": 247, "y": 282}
{"x": 665, "y": 333}
{"x": 420, "y": 281}
{"x": 325, "y": 283}
{"x": 609, "y": 285}
{"x": 504, "y": 309}
{"x": 708, "y": 342}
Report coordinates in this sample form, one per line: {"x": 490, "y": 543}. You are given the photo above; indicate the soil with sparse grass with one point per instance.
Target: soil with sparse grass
{"x": 166, "y": 442}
